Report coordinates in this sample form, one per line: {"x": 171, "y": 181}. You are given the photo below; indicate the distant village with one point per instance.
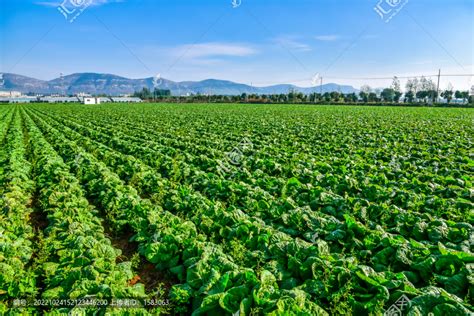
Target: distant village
{"x": 84, "y": 98}
{"x": 366, "y": 95}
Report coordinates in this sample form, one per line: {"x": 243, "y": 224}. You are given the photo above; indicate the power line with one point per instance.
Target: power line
{"x": 364, "y": 78}
{"x": 400, "y": 77}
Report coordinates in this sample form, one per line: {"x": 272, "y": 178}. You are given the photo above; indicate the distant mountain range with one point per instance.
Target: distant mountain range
{"x": 95, "y": 83}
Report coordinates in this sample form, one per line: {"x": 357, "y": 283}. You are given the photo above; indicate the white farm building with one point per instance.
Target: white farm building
{"x": 91, "y": 100}
{"x": 60, "y": 99}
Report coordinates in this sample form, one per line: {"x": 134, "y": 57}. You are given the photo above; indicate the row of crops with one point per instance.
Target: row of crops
{"x": 237, "y": 209}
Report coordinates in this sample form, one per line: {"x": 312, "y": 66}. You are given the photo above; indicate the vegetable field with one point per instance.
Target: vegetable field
{"x": 236, "y": 209}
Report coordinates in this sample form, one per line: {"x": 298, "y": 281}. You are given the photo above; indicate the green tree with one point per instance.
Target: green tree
{"x": 422, "y": 95}
{"x": 335, "y": 96}
{"x": 458, "y": 94}
{"x": 428, "y": 89}
{"x": 448, "y": 93}
{"x": 397, "y": 96}
{"x": 411, "y": 89}
{"x": 364, "y": 96}
{"x": 327, "y": 97}
{"x": 465, "y": 96}
{"x": 350, "y": 97}
{"x": 397, "y": 89}
{"x": 373, "y": 97}
{"x": 409, "y": 96}
{"x": 388, "y": 94}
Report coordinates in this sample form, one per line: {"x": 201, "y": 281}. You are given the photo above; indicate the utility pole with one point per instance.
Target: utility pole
{"x": 321, "y": 86}
{"x": 61, "y": 77}
{"x": 437, "y": 89}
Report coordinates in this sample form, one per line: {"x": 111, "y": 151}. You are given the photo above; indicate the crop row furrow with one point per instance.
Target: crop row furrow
{"x": 4, "y": 124}
{"x": 340, "y": 176}
{"x": 304, "y": 211}
{"x": 296, "y": 267}
{"x": 77, "y": 260}
{"x": 168, "y": 131}
{"x": 16, "y": 232}
{"x": 195, "y": 201}
{"x": 336, "y": 232}
{"x": 212, "y": 278}
{"x": 188, "y": 203}
{"x": 149, "y": 182}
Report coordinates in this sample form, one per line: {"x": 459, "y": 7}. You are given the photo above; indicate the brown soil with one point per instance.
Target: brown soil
{"x": 37, "y": 218}
{"x": 122, "y": 242}
{"x": 151, "y": 277}
{"x": 147, "y": 273}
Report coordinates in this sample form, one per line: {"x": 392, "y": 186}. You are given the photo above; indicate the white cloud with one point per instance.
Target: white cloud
{"x": 292, "y": 43}
{"x": 48, "y": 4}
{"x": 213, "y": 49}
{"x": 327, "y": 38}
{"x": 92, "y": 2}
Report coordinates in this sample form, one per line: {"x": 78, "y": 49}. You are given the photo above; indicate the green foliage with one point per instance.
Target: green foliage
{"x": 331, "y": 210}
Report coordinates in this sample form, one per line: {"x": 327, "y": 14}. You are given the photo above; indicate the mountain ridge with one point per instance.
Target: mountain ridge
{"x": 110, "y": 84}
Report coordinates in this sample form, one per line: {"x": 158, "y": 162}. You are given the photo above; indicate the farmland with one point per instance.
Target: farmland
{"x": 236, "y": 209}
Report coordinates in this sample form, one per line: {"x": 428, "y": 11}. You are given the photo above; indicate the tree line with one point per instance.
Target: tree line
{"x": 421, "y": 91}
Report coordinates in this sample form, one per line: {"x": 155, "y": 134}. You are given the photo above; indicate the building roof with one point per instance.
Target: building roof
{"x": 126, "y": 99}
{"x": 21, "y": 99}
{"x": 59, "y": 99}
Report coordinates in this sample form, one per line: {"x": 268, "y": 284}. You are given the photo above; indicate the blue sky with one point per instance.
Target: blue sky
{"x": 261, "y": 42}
